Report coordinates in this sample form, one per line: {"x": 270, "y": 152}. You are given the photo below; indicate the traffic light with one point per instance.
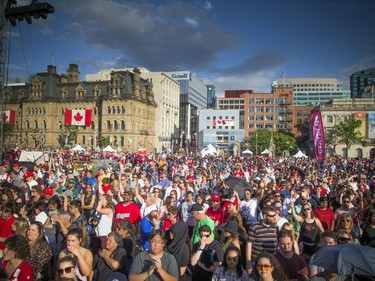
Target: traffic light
{"x": 34, "y": 10}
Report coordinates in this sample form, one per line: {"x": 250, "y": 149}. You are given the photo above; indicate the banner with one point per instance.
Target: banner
{"x": 371, "y": 124}
{"x": 318, "y": 134}
{"x": 9, "y": 116}
{"x": 222, "y": 122}
{"x": 78, "y": 117}
{"x": 361, "y": 115}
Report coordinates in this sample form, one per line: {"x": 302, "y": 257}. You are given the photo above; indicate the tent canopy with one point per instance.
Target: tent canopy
{"x": 78, "y": 148}
{"x": 247, "y": 152}
{"x": 208, "y": 150}
{"x": 299, "y": 154}
{"x": 109, "y": 149}
{"x": 266, "y": 151}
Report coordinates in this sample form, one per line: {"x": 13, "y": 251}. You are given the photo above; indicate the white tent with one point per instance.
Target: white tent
{"x": 39, "y": 157}
{"x": 109, "y": 149}
{"x": 247, "y": 152}
{"x": 208, "y": 150}
{"x": 266, "y": 151}
{"x": 78, "y": 148}
{"x": 299, "y": 154}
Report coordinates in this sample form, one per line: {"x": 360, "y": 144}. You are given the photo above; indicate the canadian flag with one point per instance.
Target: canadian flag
{"x": 78, "y": 117}
{"x": 9, "y": 116}
{"x": 221, "y": 122}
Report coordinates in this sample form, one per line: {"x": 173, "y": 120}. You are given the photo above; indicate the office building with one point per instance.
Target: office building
{"x": 362, "y": 83}
{"x": 313, "y": 91}
{"x": 211, "y": 96}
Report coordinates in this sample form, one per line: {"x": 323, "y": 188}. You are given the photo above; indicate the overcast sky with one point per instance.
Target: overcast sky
{"x": 233, "y": 44}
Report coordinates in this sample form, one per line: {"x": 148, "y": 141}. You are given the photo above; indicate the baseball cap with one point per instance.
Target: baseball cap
{"x": 16, "y": 164}
{"x": 196, "y": 208}
{"x": 68, "y": 193}
{"x": 215, "y": 198}
{"x": 48, "y": 191}
{"x": 323, "y": 198}
{"x": 28, "y": 174}
{"x": 233, "y": 201}
{"x": 128, "y": 191}
{"x": 72, "y": 181}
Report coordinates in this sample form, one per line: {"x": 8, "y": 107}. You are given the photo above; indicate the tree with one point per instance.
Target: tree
{"x": 284, "y": 142}
{"x": 68, "y": 135}
{"x": 347, "y": 131}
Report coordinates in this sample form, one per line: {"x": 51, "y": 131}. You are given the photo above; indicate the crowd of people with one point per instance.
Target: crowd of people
{"x": 177, "y": 217}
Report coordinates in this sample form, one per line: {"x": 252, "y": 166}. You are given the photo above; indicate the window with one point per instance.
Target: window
{"x": 329, "y": 119}
{"x": 122, "y": 125}
{"x": 208, "y": 117}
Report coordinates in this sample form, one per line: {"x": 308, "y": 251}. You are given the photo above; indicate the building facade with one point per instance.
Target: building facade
{"x": 340, "y": 109}
{"x": 272, "y": 111}
{"x": 211, "y": 96}
{"x": 123, "y": 110}
{"x": 193, "y": 98}
{"x": 313, "y": 91}
{"x": 220, "y": 128}
{"x": 362, "y": 83}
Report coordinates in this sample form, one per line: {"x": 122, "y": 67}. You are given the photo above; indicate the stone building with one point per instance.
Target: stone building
{"x": 123, "y": 110}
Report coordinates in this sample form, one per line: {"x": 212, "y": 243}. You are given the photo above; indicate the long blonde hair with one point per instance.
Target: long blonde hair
{"x": 21, "y": 224}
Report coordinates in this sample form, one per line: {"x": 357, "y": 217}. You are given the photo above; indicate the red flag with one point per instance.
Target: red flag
{"x": 78, "y": 117}
{"x": 9, "y": 116}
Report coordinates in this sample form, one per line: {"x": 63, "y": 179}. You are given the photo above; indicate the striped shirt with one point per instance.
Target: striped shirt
{"x": 262, "y": 238}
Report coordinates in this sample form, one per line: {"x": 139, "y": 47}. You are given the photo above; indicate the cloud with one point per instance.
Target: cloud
{"x": 155, "y": 36}
{"x": 260, "y": 61}
{"x": 47, "y": 31}
{"x": 192, "y": 22}
{"x": 207, "y": 5}
{"x": 365, "y": 63}
{"x": 259, "y": 81}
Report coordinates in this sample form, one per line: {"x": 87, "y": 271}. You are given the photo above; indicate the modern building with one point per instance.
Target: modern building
{"x": 313, "y": 91}
{"x": 362, "y": 83}
{"x": 211, "y": 96}
{"x": 123, "y": 110}
{"x": 340, "y": 109}
{"x": 220, "y": 128}
{"x": 167, "y": 95}
{"x": 193, "y": 98}
{"x": 272, "y": 111}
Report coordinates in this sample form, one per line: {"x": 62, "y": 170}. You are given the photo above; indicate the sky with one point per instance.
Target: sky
{"x": 232, "y": 44}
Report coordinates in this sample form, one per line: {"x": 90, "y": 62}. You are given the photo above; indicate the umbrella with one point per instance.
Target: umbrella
{"x": 347, "y": 259}
{"x": 299, "y": 170}
{"x": 238, "y": 184}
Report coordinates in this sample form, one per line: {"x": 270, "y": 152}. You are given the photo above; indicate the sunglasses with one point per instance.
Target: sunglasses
{"x": 247, "y": 193}
{"x": 205, "y": 235}
{"x": 345, "y": 220}
{"x": 266, "y": 267}
{"x": 277, "y": 196}
{"x": 346, "y": 201}
{"x": 66, "y": 270}
{"x": 156, "y": 191}
{"x": 233, "y": 259}
{"x": 308, "y": 209}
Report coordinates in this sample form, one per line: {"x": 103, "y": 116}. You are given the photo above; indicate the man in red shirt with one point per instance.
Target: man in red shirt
{"x": 325, "y": 214}
{"x": 127, "y": 209}
{"x": 215, "y": 212}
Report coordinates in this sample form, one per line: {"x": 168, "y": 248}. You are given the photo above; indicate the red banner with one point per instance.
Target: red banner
{"x": 318, "y": 134}
{"x": 78, "y": 117}
{"x": 9, "y": 116}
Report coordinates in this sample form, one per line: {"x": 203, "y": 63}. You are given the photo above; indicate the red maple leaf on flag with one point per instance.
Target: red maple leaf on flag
{"x": 78, "y": 117}
{"x": 5, "y": 117}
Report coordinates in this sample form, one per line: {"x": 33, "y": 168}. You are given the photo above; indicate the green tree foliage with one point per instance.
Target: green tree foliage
{"x": 283, "y": 141}
{"x": 347, "y": 131}
{"x": 64, "y": 139}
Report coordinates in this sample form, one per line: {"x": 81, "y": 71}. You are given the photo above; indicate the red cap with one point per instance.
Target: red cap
{"x": 28, "y": 174}
{"x": 215, "y": 198}
{"x": 6, "y": 163}
{"x": 16, "y": 164}
{"x": 233, "y": 201}
{"x": 48, "y": 191}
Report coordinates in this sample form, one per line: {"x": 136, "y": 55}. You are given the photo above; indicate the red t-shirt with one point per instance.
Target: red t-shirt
{"x": 215, "y": 215}
{"x": 106, "y": 188}
{"x": 23, "y": 272}
{"x": 130, "y": 212}
{"x": 326, "y": 217}
{"x": 6, "y": 229}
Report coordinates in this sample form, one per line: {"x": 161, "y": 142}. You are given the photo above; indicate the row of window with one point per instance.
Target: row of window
{"x": 317, "y": 85}
{"x": 220, "y": 117}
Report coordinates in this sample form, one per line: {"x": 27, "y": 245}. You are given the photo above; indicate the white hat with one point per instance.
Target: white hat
{"x": 41, "y": 217}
